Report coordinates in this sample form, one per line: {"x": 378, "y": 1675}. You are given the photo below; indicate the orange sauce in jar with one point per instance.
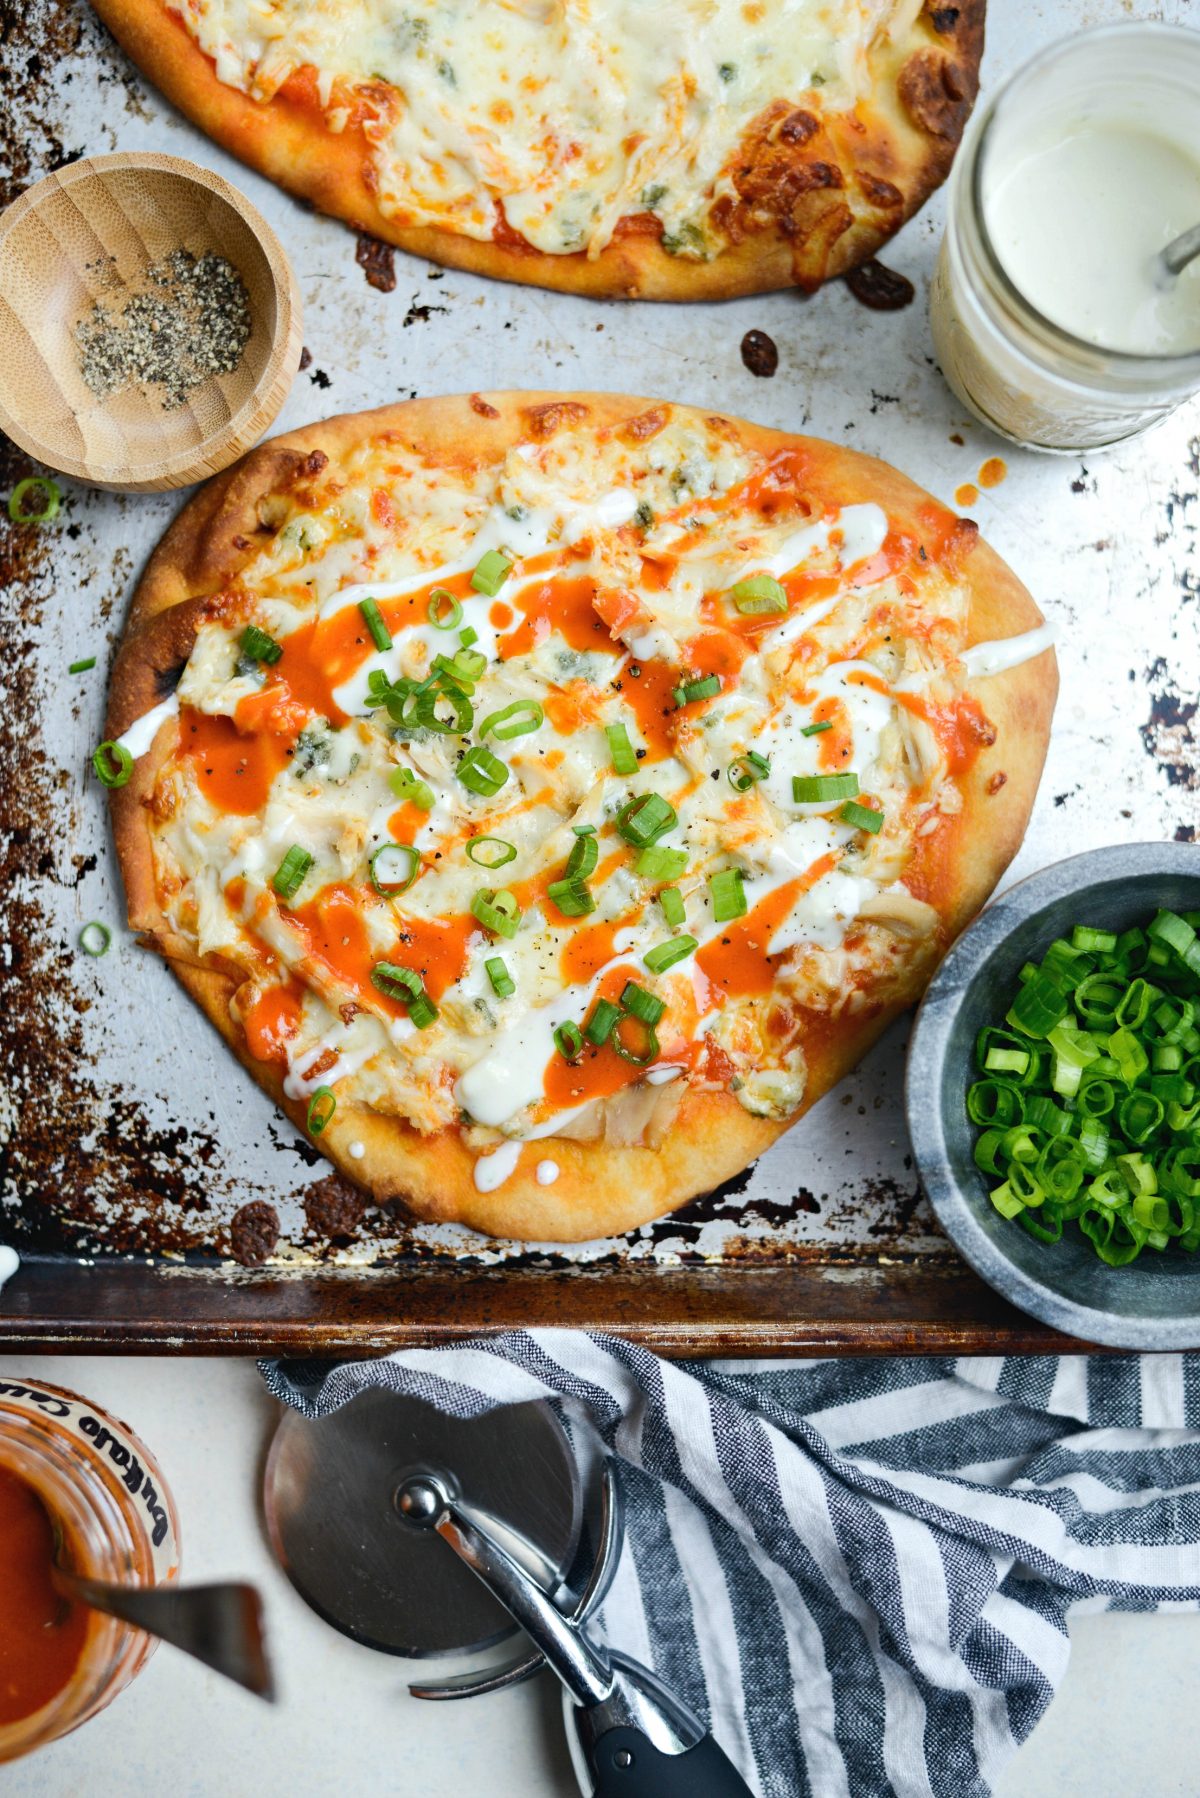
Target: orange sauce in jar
{"x": 42, "y": 1636}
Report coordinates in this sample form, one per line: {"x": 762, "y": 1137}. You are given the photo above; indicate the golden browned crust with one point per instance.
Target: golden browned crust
{"x": 601, "y": 1190}
{"x": 814, "y": 198}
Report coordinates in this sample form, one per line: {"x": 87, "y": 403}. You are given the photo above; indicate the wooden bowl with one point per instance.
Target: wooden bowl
{"x": 89, "y": 232}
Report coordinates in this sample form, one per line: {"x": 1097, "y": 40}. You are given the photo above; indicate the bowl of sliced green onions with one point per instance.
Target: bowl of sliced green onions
{"x": 1053, "y": 1095}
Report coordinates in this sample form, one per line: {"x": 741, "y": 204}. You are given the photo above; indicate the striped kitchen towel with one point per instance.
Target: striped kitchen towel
{"x": 858, "y": 1572}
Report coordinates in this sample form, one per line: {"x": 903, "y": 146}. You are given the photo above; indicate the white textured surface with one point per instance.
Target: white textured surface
{"x": 345, "y": 1724}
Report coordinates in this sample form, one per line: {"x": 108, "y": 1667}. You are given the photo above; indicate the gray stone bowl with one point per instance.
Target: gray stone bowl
{"x": 1155, "y": 1302}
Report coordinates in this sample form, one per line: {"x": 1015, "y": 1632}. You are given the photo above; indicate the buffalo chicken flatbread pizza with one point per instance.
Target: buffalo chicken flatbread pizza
{"x": 678, "y": 149}
{"x": 550, "y": 798}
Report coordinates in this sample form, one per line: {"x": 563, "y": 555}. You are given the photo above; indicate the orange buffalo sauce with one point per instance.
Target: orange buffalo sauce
{"x": 737, "y": 962}
{"x": 598, "y": 1071}
{"x": 561, "y": 603}
{"x": 273, "y": 1020}
{"x": 234, "y": 771}
{"x": 42, "y": 1636}
{"x": 335, "y": 931}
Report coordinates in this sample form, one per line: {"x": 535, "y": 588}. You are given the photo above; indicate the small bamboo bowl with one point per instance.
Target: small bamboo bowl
{"x": 89, "y": 232}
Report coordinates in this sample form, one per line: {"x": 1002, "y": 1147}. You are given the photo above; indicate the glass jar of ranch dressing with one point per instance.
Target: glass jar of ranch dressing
{"x": 75, "y": 1483}
{"x": 1049, "y": 318}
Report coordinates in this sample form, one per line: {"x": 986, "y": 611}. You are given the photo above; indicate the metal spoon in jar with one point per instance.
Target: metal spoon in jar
{"x": 221, "y": 1626}
{"x": 1179, "y": 252}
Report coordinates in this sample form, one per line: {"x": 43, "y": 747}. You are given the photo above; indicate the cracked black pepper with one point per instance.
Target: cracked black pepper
{"x": 189, "y": 322}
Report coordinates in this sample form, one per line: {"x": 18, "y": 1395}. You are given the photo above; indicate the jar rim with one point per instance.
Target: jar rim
{"x": 1094, "y": 359}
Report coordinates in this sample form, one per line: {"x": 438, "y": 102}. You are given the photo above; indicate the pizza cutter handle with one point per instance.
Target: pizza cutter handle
{"x": 626, "y": 1764}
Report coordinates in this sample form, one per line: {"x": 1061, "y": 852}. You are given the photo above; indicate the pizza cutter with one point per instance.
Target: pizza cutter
{"x": 432, "y": 1537}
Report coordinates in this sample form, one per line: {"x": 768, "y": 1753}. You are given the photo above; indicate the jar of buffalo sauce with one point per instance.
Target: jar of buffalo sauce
{"x": 78, "y": 1485}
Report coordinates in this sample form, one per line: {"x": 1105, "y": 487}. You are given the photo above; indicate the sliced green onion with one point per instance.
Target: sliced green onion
{"x": 599, "y": 1025}
{"x": 516, "y": 720}
{"x": 496, "y": 852}
{"x": 649, "y": 1041}
{"x": 321, "y": 1108}
{"x": 393, "y": 868}
{"x": 673, "y": 909}
{"x": 83, "y": 666}
{"x": 407, "y": 986}
{"x": 861, "y": 817}
{"x": 424, "y": 714}
{"x": 48, "y": 508}
{"x": 491, "y": 572}
{"x": 658, "y": 863}
{"x": 815, "y": 730}
{"x": 568, "y": 1040}
{"x": 645, "y": 819}
{"x": 707, "y": 687}
{"x": 760, "y": 593}
{"x": 112, "y": 764}
{"x": 643, "y": 1005}
{"x": 572, "y": 897}
{"x": 259, "y": 645}
{"x": 381, "y": 637}
{"x": 665, "y": 955}
{"x": 447, "y": 620}
{"x": 468, "y": 637}
{"x": 585, "y": 853}
{"x": 497, "y": 911}
{"x": 624, "y": 755}
{"x": 1093, "y": 942}
{"x": 462, "y": 669}
{"x": 501, "y": 979}
{"x": 408, "y": 786}
{"x": 746, "y": 770}
{"x": 94, "y": 938}
{"x": 481, "y": 771}
{"x": 1038, "y": 1007}
{"x": 727, "y": 894}
{"x": 288, "y": 877}
{"x": 819, "y": 789}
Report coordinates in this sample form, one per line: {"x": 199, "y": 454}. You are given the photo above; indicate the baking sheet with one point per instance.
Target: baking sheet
{"x": 126, "y": 1130}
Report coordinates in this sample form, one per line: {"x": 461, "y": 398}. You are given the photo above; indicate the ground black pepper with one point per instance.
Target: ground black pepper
{"x": 189, "y": 322}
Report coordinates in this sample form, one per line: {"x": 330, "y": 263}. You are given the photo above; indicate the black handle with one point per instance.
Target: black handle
{"x": 626, "y": 1765}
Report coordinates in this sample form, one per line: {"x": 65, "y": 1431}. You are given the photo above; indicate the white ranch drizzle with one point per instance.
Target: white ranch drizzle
{"x": 10, "y": 1261}
{"x": 1007, "y": 652}
{"x": 138, "y": 739}
{"x": 547, "y": 1172}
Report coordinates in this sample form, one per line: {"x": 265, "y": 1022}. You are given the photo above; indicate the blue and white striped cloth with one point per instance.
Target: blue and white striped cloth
{"x": 858, "y": 1572}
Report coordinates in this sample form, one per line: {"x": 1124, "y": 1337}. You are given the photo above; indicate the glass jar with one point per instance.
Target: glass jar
{"x": 105, "y": 1493}
{"x": 1018, "y": 371}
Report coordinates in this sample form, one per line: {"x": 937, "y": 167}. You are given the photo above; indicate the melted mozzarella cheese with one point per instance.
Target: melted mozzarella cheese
{"x": 571, "y": 114}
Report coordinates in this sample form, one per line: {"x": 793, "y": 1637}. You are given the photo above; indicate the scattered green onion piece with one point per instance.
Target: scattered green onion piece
{"x": 658, "y": 863}
{"x": 481, "y": 771}
{"x": 288, "y": 877}
{"x": 425, "y": 715}
{"x": 644, "y": 1006}
{"x": 321, "y": 1108}
{"x": 49, "y": 507}
{"x": 406, "y": 986}
{"x": 462, "y": 669}
{"x": 491, "y": 572}
{"x": 861, "y": 817}
{"x": 645, "y": 819}
{"x": 746, "y": 770}
{"x": 649, "y": 1050}
{"x": 585, "y": 853}
{"x": 259, "y": 645}
{"x": 112, "y": 764}
{"x": 381, "y": 637}
{"x": 822, "y": 789}
{"x": 406, "y": 785}
{"x": 393, "y": 868}
{"x": 497, "y": 911}
{"x": 516, "y": 720}
{"x": 673, "y": 909}
{"x": 665, "y": 955}
{"x": 572, "y": 897}
{"x": 759, "y": 594}
{"x": 815, "y": 730}
{"x": 568, "y": 1040}
{"x": 599, "y": 1025}
{"x": 624, "y": 756}
{"x": 469, "y": 637}
{"x": 501, "y": 979}
{"x": 451, "y": 618}
{"x": 498, "y": 855}
{"x": 83, "y": 666}
{"x": 95, "y": 938}
{"x": 727, "y": 894}
{"x": 706, "y": 687}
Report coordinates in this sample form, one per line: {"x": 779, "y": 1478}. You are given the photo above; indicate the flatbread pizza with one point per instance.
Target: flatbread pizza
{"x": 685, "y": 150}
{"x": 550, "y": 797}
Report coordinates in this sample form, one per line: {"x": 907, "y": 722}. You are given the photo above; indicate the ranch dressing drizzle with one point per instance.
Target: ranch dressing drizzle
{"x": 1007, "y": 652}
{"x": 10, "y": 1261}
{"x": 138, "y": 739}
